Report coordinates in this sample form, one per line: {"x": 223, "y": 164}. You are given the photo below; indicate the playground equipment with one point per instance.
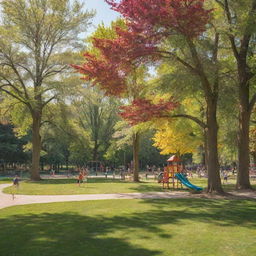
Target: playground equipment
{"x": 173, "y": 173}
{"x": 186, "y": 182}
{"x": 174, "y": 166}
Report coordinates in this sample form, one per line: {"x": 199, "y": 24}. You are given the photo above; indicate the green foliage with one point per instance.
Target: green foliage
{"x": 62, "y": 140}
{"x": 18, "y": 114}
{"x": 11, "y": 147}
{"x": 96, "y": 116}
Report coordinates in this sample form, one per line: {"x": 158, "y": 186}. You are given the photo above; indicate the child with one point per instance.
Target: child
{"x": 80, "y": 178}
{"x": 225, "y": 177}
{"x": 16, "y": 181}
{"x": 15, "y": 185}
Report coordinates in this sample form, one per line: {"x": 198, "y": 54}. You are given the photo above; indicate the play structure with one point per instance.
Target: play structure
{"x": 174, "y": 174}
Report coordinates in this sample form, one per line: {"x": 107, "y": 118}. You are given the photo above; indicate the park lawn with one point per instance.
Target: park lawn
{"x": 5, "y": 180}
{"x": 163, "y": 227}
{"x": 92, "y": 186}
{"x": 99, "y": 186}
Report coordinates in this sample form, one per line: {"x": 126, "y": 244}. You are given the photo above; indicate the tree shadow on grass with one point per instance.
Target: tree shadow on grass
{"x": 145, "y": 187}
{"x": 219, "y": 212}
{"x": 66, "y": 234}
{"x": 229, "y": 187}
{"x": 71, "y": 234}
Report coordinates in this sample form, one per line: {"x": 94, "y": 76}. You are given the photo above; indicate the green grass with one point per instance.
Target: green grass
{"x": 5, "y": 180}
{"x": 177, "y": 227}
{"x": 93, "y": 186}
{"x": 97, "y": 186}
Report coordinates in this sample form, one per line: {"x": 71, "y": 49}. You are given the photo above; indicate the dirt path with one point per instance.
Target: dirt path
{"x": 7, "y": 200}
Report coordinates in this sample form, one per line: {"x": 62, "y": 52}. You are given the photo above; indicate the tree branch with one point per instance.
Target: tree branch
{"x": 14, "y": 96}
{"x": 193, "y": 118}
{"x": 54, "y": 72}
{"x": 27, "y": 69}
{"x": 247, "y": 33}
{"x": 183, "y": 62}
{"x": 215, "y": 62}
{"x": 230, "y": 36}
{"x": 204, "y": 80}
{"x": 12, "y": 66}
{"x": 49, "y": 100}
{"x": 9, "y": 83}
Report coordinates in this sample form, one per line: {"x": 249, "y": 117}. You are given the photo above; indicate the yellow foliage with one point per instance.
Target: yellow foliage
{"x": 174, "y": 137}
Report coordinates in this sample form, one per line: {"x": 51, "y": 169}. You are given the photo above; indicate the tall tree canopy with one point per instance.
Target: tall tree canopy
{"x": 37, "y": 37}
{"x": 96, "y": 115}
{"x": 117, "y": 76}
{"x": 182, "y": 31}
{"x": 240, "y": 31}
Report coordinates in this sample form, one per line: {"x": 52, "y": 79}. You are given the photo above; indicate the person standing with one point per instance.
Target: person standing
{"x": 16, "y": 183}
{"x": 80, "y": 178}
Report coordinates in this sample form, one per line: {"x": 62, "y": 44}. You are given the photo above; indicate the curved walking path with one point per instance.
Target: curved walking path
{"x": 7, "y": 200}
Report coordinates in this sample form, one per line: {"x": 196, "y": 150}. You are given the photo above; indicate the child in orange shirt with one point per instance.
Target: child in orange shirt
{"x": 80, "y": 178}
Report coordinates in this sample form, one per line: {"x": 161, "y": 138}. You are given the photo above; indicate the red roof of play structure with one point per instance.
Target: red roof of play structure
{"x": 174, "y": 158}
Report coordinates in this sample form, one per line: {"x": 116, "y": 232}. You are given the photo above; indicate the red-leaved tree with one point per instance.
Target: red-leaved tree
{"x": 154, "y": 21}
{"x": 143, "y": 110}
{"x": 115, "y": 65}
{"x": 118, "y": 59}
{"x": 187, "y": 17}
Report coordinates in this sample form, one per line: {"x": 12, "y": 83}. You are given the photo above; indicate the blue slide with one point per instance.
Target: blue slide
{"x": 186, "y": 182}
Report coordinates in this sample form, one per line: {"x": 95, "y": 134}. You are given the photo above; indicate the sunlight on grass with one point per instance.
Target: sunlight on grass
{"x": 194, "y": 227}
{"x": 100, "y": 186}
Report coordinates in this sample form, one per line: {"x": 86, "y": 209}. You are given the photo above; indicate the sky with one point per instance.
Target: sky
{"x": 103, "y": 13}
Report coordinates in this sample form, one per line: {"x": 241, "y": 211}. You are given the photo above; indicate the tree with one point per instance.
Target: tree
{"x": 36, "y": 38}
{"x": 60, "y": 135}
{"x": 104, "y": 66}
{"x": 181, "y": 25}
{"x": 240, "y": 32}
{"x": 97, "y": 115}
{"x": 11, "y": 147}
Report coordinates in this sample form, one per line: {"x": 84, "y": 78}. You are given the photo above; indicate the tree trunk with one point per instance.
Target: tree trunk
{"x": 42, "y": 166}
{"x": 4, "y": 167}
{"x": 205, "y": 151}
{"x": 135, "y": 144}
{"x": 214, "y": 181}
{"x": 243, "y": 180}
{"x": 95, "y": 151}
{"x": 36, "y": 146}
{"x": 67, "y": 162}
